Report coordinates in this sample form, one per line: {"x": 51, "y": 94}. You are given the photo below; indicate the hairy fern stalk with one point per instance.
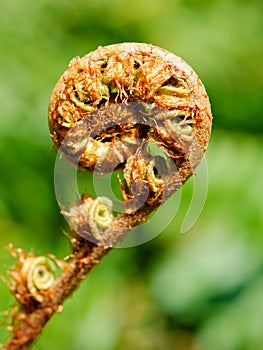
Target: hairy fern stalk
{"x": 105, "y": 112}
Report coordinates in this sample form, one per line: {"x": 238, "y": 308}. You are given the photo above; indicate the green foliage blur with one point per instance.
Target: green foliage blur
{"x": 200, "y": 290}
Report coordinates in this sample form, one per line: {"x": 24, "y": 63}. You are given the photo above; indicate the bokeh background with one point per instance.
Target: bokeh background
{"x": 201, "y": 290}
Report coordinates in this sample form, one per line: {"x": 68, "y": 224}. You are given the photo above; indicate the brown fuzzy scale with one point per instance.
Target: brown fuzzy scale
{"x": 129, "y": 72}
{"x": 112, "y": 101}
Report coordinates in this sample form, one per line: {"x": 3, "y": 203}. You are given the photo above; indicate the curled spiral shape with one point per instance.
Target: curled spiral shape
{"x": 111, "y": 104}
{"x": 40, "y": 274}
{"x": 91, "y": 215}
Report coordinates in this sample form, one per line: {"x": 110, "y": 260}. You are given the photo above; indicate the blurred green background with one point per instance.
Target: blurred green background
{"x": 199, "y": 291}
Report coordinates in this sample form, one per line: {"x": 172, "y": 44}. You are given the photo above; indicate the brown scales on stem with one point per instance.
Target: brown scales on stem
{"x": 105, "y": 111}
